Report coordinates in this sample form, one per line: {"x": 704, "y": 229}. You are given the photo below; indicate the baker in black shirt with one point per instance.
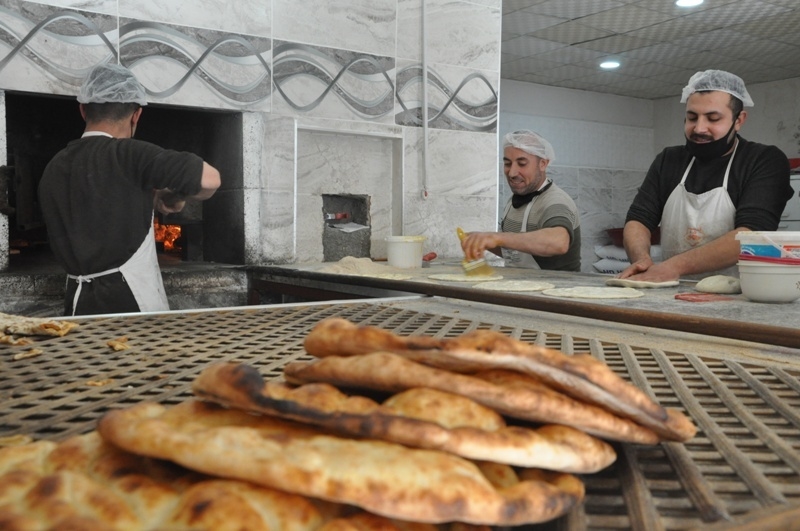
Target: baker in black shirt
{"x": 706, "y": 191}
{"x": 98, "y": 194}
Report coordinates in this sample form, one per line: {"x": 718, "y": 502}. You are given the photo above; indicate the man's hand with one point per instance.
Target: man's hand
{"x": 660, "y": 272}
{"x": 168, "y": 202}
{"x": 477, "y": 242}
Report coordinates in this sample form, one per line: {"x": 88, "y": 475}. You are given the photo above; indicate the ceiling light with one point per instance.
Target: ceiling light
{"x": 609, "y": 64}
{"x": 688, "y": 3}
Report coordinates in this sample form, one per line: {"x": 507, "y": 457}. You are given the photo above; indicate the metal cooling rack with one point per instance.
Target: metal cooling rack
{"x": 741, "y": 471}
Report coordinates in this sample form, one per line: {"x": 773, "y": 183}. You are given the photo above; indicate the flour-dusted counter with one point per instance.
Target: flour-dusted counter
{"x": 736, "y": 317}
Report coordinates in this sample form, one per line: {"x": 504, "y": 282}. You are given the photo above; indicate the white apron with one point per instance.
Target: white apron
{"x": 516, "y": 258}
{"x": 142, "y": 274}
{"x": 691, "y": 220}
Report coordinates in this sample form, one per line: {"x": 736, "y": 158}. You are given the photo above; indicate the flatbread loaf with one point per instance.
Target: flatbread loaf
{"x": 384, "y": 478}
{"x": 594, "y": 292}
{"x": 536, "y": 402}
{"x": 34, "y": 326}
{"x": 85, "y": 483}
{"x": 418, "y": 417}
{"x": 579, "y": 376}
{"x": 515, "y": 285}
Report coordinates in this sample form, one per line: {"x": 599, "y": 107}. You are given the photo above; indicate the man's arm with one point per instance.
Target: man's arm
{"x": 636, "y": 240}
{"x": 549, "y": 241}
{"x": 717, "y": 254}
{"x": 168, "y": 202}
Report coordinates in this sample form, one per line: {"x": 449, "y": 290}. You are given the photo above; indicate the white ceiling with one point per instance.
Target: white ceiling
{"x": 561, "y": 42}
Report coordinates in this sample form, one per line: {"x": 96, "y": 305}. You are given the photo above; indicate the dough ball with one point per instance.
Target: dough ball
{"x": 719, "y": 284}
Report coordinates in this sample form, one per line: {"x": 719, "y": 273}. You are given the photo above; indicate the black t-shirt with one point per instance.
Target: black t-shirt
{"x": 758, "y": 184}
{"x": 97, "y": 198}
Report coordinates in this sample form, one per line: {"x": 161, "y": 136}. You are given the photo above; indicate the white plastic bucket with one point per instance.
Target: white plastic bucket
{"x": 784, "y": 244}
{"x": 404, "y": 251}
{"x": 768, "y": 282}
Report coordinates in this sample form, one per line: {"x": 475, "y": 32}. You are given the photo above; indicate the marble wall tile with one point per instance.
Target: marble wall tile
{"x": 332, "y": 83}
{"x": 595, "y": 178}
{"x": 4, "y": 228}
{"x": 438, "y": 216}
{"x": 108, "y": 7}
{"x": 363, "y": 25}
{"x": 187, "y": 66}
{"x": 250, "y": 17}
{"x": 57, "y": 56}
{"x": 342, "y": 165}
{"x": 269, "y": 182}
{"x": 457, "y": 33}
{"x": 457, "y": 163}
{"x": 458, "y": 98}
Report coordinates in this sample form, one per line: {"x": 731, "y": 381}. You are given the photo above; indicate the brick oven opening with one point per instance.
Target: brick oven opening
{"x": 38, "y": 126}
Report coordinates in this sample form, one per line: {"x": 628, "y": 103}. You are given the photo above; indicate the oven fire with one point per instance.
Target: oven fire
{"x": 167, "y": 236}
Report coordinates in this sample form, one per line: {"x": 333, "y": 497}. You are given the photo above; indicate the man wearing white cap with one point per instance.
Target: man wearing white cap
{"x": 98, "y": 194}
{"x": 704, "y": 192}
{"x": 540, "y": 228}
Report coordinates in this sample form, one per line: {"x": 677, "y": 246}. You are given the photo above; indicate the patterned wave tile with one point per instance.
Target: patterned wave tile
{"x": 187, "y": 65}
{"x": 358, "y": 84}
{"x": 447, "y": 107}
{"x": 51, "y": 49}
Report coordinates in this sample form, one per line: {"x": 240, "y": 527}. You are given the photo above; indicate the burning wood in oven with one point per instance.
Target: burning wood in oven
{"x": 168, "y": 235}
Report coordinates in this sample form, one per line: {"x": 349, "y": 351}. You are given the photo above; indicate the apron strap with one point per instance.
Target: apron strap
{"x": 87, "y": 278}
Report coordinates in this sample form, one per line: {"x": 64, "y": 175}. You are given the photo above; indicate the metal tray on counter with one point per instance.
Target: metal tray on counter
{"x": 741, "y": 471}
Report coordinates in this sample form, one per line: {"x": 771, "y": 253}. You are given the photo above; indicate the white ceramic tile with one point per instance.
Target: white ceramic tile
{"x": 347, "y": 165}
{"x": 251, "y": 17}
{"x": 54, "y": 61}
{"x": 361, "y": 25}
{"x": 459, "y": 163}
{"x": 457, "y": 33}
{"x": 438, "y": 216}
{"x": 96, "y": 6}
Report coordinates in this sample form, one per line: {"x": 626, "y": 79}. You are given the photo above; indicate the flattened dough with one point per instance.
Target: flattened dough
{"x": 593, "y": 292}
{"x": 462, "y": 277}
{"x": 719, "y": 284}
{"x": 516, "y": 285}
{"x": 628, "y": 283}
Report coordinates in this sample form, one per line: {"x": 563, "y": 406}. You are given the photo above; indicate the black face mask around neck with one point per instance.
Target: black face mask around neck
{"x": 712, "y": 150}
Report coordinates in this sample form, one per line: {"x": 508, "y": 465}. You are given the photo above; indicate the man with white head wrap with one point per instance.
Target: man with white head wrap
{"x": 541, "y": 226}
{"x": 98, "y": 196}
{"x": 704, "y": 192}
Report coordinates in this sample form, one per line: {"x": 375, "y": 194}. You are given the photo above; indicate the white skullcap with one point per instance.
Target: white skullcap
{"x": 112, "y": 83}
{"x": 531, "y": 143}
{"x": 717, "y": 80}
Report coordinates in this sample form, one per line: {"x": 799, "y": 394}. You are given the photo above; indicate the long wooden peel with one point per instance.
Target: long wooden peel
{"x": 479, "y": 267}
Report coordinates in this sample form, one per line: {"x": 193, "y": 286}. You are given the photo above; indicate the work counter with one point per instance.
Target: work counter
{"x": 741, "y": 471}
{"x": 736, "y": 317}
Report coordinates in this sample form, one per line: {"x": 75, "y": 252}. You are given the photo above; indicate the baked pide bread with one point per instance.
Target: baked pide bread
{"x": 87, "y": 484}
{"x": 383, "y": 478}
{"x": 580, "y": 376}
{"x": 421, "y": 417}
{"x": 533, "y": 402}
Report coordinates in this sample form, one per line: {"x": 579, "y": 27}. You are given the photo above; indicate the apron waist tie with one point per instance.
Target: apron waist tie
{"x": 87, "y": 278}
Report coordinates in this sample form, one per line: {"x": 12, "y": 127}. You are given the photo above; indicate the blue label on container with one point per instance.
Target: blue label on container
{"x": 759, "y": 250}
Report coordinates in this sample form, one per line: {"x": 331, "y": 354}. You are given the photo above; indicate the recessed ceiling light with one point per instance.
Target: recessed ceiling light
{"x": 609, "y": 64}
{"x": 688, "y": 3}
